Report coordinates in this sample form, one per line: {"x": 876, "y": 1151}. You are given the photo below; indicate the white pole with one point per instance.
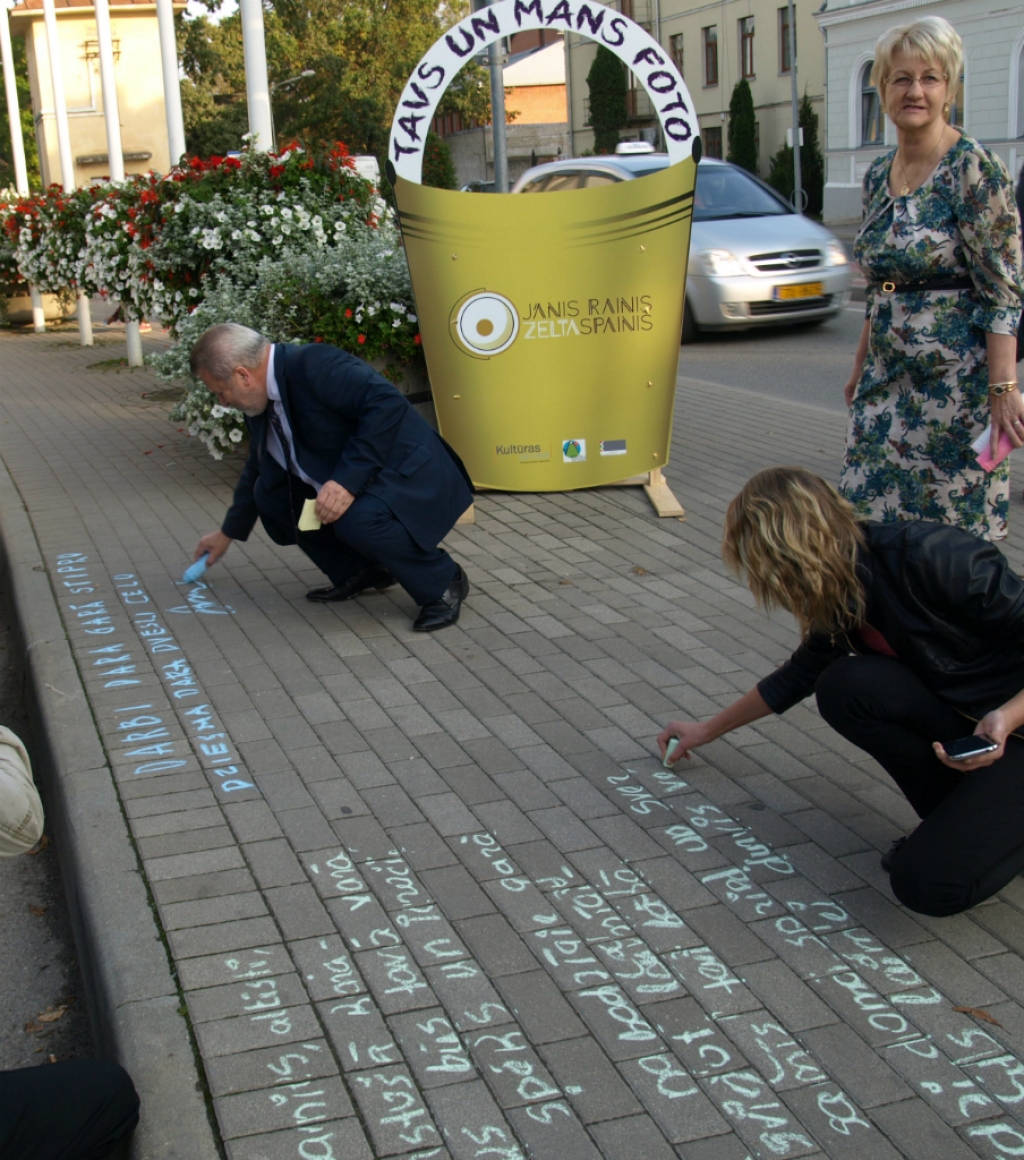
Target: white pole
{"x": 115, "y": 154}
{"x": 111, "y": 114}
{"x": 257, "y": 85}
{"x": 18, "y": 146}
{"x": 67, "y": 165}
{"x": 60, "y": 108}
{"x": 133, "y": 336}
{"x": 13, "y": 112}
{"x": 172, "y": 85}
{"x": 38, "y": 313}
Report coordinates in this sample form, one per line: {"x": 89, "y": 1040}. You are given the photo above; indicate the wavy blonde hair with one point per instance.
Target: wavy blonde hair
{"x": 795, "y": 540}
{"x": 931, "y": 40}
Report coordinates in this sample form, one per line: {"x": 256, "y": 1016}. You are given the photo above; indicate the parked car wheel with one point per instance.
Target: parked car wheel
{"x": 690, "y": 328}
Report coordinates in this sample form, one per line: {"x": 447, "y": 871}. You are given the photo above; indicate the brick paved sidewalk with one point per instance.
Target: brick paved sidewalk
{"x": 434, "y": 896}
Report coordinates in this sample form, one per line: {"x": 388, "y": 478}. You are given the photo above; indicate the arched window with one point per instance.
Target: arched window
{"x": 872, "y": 124}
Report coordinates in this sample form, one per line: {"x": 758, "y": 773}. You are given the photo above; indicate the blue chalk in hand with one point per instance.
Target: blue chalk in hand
{"x": 672, "y": 746}
{"x": 195, "y": 572}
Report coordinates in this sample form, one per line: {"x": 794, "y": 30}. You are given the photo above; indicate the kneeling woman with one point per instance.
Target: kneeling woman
{"x": 913, "y": 637}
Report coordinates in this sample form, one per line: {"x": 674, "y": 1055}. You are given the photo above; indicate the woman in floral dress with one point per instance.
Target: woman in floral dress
{"x": 940, "y": 246}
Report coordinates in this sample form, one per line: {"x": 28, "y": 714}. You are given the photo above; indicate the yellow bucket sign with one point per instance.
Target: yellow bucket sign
{"x": 550, "y": 323}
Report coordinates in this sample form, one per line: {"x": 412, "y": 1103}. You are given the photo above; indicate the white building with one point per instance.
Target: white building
{"x": 990, "y": 106}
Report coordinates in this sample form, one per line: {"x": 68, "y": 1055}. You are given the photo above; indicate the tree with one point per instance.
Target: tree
{"x": 607, "y": 83}
{"x": 812, "y": 163}
{"x": 28, "y": 129}
{"x": 438, "y": 167}
{"x": 361, "y": 53}
{"x": 742, "y": 128}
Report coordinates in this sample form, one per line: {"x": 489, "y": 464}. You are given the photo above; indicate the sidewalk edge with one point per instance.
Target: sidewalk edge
{"x": 131, "y": 993}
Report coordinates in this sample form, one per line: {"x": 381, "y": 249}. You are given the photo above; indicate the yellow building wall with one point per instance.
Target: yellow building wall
{"x": 140, "y": 92}
{"x": 537, "y": 104}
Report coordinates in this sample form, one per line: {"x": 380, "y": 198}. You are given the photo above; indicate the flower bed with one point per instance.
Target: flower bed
{"x": 294, "y": 244}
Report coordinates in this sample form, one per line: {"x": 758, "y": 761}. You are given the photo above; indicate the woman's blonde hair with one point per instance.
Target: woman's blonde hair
{"x": 931, "y": 39}
{"x": 795, "y": 540}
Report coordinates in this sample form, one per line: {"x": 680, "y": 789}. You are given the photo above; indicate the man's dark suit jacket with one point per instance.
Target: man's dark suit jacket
{"x": 349, "y": 424}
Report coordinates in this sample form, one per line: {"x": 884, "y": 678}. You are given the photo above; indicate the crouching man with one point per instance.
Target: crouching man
{"x": 325, "y": 427}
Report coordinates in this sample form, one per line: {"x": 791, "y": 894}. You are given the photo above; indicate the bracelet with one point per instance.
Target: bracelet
{"x": 997, "y": 389}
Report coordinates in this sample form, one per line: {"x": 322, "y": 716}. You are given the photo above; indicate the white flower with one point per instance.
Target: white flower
{"x": 235, "y": 436}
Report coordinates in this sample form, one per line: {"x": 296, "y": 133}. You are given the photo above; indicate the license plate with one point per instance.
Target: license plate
{"x": 801, "y": 290}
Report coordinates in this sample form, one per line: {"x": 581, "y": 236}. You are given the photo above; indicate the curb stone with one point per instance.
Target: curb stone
{"x": 130, "y": 990}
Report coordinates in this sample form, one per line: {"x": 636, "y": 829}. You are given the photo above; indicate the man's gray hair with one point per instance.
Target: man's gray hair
{"x": 224, "y": 347}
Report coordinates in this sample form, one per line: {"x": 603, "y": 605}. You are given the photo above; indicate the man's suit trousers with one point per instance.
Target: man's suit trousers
{"x": 368, "y": 533}
{"x": 76, "y": 1110}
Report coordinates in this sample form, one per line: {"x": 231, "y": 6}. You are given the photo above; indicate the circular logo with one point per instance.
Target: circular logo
{"x": 486, "y": 323}
{"x": 571, "y": 449}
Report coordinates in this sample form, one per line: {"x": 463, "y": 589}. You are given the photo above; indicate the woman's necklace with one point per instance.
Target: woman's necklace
{"x": 929, "y": 165}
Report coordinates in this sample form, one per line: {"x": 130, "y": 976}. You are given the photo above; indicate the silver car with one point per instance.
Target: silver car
{"x": 754, "y": 261}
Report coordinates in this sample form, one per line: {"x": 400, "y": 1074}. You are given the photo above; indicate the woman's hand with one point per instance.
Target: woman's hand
{"x": 850, "y": 390}
{"x": 851, "y": 387}
{"x": 1008, "y": 409}
{"x": 996, "y": 725}
{"x": 1008, "y": 416}
{"x": 689, "y": 734}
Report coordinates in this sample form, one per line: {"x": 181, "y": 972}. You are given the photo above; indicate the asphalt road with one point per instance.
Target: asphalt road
{"x": 806, "y": 364}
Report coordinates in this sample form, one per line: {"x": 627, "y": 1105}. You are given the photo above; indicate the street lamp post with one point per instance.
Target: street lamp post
{"x": 798, "y": 192}
{"x": 306, "y": 72}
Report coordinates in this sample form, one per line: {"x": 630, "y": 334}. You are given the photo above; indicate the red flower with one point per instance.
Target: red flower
{"x": 348, "y": 313}
{"x": 361, "y": 339}
{"x": 318, "y": 338}
{"x": 417, "y": 340}
{"x": 276, "y": 170}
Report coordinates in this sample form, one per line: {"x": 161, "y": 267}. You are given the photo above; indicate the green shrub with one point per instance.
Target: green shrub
{"x": 812, "y": 163}
{"x": 438, "y": 167}
{"x": 607, "y": 83}
{"x": 742, "y": 128}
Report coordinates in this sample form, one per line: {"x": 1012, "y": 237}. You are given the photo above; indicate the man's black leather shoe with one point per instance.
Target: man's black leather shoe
{"x": 441, "y": 613}
{"x": 375, "y": 577}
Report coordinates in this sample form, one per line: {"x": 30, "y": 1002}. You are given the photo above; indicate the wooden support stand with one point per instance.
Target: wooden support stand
{"x": 658, "y": 491}
{"x": 653, "y": 482}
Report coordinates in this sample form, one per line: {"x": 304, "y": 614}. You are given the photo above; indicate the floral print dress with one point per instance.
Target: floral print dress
{"x": 922, "y": 398}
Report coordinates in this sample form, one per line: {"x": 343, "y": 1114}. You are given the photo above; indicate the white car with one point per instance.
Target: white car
{"x": 754, "y": 261}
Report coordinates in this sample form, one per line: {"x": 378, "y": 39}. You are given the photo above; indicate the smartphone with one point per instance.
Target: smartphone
{"x": 965, "y": 747}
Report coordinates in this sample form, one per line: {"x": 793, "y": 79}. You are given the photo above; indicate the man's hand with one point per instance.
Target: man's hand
{"x": 215, "y": 544}
{"x": 332, "y": 502}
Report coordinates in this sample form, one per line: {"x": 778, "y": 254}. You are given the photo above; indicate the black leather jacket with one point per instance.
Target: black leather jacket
{"x": 948, "y": 603}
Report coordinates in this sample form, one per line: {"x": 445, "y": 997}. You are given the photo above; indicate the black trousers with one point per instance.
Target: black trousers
{"x": 970, "y": 842}
{"x": 76, "y": 1110}
{"x": 368, "y": 533}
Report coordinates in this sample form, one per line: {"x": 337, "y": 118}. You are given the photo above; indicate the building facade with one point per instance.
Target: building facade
{"x": 140, "y": 89}
{"x": 990, "y": 106}
{"x": 534, "y": 78}
{"x": 713, "y": 46}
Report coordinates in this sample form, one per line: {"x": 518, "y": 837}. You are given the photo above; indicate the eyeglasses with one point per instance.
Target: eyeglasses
{"x": 904, "y": 83}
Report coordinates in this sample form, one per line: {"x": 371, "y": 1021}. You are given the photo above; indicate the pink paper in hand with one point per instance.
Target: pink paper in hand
{"x": 983, "y": 445}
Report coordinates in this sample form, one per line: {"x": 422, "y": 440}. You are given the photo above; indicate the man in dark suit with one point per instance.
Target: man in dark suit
{"x": 325, "y": 427}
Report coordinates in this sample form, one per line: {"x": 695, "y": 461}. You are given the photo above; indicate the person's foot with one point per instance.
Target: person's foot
{"x": 887, "y": 857}
{"x": 373, "y": 577}
{"x": 441, "y": 613}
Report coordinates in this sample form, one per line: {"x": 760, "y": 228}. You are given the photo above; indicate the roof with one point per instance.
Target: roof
{"x": 543, "y": 66}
